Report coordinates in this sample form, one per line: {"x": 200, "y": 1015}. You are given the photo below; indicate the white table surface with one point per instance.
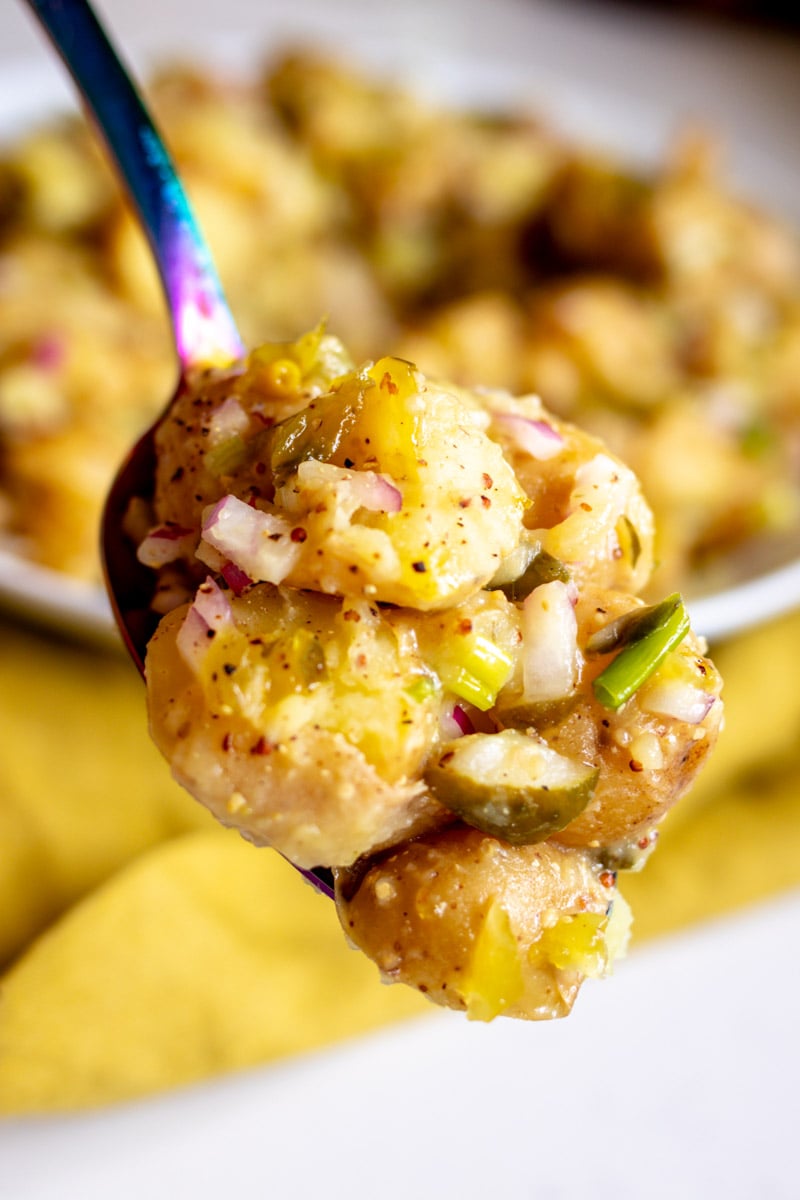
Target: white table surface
{"x": 678, "y": 1077}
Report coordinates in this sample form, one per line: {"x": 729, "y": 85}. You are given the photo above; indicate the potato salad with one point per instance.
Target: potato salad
{"x": 401, "y": 637}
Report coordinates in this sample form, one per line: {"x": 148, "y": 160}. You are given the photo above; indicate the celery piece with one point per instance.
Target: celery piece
{"x": 640, "y": 657}
{"x": 477, "y": 672}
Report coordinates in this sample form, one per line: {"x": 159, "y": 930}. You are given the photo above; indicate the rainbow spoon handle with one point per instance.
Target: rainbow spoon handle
{"x": 204, "y": 330}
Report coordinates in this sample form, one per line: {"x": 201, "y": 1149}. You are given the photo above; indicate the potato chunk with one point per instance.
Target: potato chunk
{"x": 485, "y": 927}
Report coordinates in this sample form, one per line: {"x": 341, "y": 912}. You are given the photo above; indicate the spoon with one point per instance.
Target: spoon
{"x": 203, "y": 329}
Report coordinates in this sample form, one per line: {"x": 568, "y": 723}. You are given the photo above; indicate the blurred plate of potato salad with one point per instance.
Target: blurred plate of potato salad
{"x": 651, "y": 306}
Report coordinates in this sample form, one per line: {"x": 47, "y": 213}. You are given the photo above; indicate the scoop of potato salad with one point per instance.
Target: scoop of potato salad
{"x": 401, "y": 639}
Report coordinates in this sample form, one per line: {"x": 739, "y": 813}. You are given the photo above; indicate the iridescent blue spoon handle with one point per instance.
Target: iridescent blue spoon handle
{"x": 204, "y": 331}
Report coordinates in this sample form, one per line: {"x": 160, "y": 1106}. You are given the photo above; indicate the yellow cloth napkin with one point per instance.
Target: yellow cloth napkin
{"x": 147, "y": 948}
{"x": 201, "y": 957}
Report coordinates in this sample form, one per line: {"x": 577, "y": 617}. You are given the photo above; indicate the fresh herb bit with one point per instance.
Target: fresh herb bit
{"x": 631, "y": 627}
{"x": 646, "y": 647}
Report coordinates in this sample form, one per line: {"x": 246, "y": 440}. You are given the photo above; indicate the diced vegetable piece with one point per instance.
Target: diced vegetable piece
{"x": 551, "y": 660}
{"x": 165, "y": 544}
{"x": 631, "y": 627}
{"x": 514, "y": 712}
{"x": 208, "y": 615}
{"x": 317, "y": 431}
{"x": 474, "y": 669}
{"x": 629, "y": 541}
{"x": 677, "y": 689}
{"x": 537, "y": 438}
{"x": 259, "y": 543}
{"x": 494, "y": 979}
{"x": 227, "y": 457}
{"x": 511, "y": 785}
{"x": 659, "y": 632}
{"x": 527, "y": 568}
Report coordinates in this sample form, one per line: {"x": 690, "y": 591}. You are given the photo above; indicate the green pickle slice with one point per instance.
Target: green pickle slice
{"x": 511, "y": 785}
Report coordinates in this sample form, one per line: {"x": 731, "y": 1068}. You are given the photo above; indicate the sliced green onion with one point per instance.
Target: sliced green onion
{"x": 478, "y": 671}
{"x": 630, "y": 627}
{"x": 640, "y": 658}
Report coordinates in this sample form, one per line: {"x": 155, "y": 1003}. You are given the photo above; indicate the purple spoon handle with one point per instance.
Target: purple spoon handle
{"x": 204, "y": 330}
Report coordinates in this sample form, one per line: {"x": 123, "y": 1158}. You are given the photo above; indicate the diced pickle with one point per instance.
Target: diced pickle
{"x": 535, "y": 566}
{"x": 516, "y": 713}
{"x": 315, "y": 432}
{"x": 511, "y": 785}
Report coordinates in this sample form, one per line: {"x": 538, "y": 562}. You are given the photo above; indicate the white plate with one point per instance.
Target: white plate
{"x": 674, "y": 1078}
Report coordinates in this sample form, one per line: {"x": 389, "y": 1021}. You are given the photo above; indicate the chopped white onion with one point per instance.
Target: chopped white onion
{"x": 537, "y": 438}
{"x": 228, "y": 420}
{"x": 550, "y": 655}
{"x": 259, "y": 543}
{"x": 677, "y": 699}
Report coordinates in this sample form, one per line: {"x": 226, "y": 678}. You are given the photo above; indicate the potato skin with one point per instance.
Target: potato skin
{"x": 418, "y": 910}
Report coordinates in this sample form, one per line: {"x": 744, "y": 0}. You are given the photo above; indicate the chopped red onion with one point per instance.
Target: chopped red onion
{"x": 259, "y": 543}
{"x": 535, "y": 437}
{"x": 208, "y": 614}
{"x": 213, "y": 605}
{"x": 235, "y": 577}
{"x": 462, "y": 719}
{"x": 374, "y": 492}
{"x": 165, "y": 544}
{"x": 49, "y": 351}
